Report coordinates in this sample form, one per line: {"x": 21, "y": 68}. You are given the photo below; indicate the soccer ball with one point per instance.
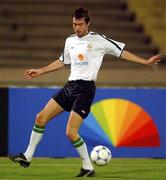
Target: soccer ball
{"x": 100, "y": 155}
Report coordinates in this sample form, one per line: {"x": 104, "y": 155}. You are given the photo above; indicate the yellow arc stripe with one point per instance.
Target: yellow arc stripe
{"x": 110, "y": 118}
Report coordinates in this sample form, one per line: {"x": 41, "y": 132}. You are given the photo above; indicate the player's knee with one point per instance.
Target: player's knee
{"x": 40, "y": 120}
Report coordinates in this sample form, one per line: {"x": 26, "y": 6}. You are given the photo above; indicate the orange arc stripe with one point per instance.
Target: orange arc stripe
{"x": 131, "y": 113}
{"x": 141, "y": 120}
{"x": 120, "y": 112}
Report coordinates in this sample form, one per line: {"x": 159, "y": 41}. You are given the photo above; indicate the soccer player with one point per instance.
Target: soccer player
{"x": 84, "y": 51}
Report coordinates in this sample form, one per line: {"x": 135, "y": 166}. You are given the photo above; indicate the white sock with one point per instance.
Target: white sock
{"x": 35, "y": 138}
{"x": 81, "y": 148}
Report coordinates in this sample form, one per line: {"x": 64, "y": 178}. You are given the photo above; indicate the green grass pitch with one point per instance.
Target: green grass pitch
{"x": 67, "y": 168}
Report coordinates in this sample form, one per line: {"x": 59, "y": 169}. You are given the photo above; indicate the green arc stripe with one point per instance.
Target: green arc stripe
{"x": 97, "y": 111}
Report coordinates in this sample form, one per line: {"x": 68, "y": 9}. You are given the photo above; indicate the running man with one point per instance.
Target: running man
{"x": 84, "y": 51}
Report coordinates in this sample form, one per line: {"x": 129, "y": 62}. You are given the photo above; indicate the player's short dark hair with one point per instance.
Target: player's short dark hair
{"x": 82, "y": 13}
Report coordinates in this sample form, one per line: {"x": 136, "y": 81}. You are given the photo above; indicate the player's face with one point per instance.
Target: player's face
{"x": 80, "y": 27}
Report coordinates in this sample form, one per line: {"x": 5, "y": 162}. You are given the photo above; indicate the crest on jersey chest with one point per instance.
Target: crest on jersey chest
{"x": 89, "y": 46}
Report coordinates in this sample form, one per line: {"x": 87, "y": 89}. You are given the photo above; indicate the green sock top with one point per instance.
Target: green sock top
{"x": 79, "y": 142}
{"x": 38, "y": 129}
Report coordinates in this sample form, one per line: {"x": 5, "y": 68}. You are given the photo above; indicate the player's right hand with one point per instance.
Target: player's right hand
{"x": 31, "y": 73}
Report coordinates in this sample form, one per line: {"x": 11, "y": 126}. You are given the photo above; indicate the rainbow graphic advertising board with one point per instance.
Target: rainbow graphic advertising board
{"x": 129, "y": 121}
{"x": 122, "y": 123}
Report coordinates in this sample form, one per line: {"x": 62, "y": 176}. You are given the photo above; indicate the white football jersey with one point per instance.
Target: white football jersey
{"x": 85, "y": 54}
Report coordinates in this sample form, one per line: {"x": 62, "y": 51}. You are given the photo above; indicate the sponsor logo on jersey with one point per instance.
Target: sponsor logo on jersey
{"x": 81, "y": 57}
{"x": 80, "y": 63}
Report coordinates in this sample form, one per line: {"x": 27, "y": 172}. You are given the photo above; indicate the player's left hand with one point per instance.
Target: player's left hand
{"x": 154, "y": 60}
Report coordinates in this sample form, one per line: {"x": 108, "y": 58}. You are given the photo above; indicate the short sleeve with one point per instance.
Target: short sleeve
{"x": 65, "y": 57}
{"x": 112, "y": 47}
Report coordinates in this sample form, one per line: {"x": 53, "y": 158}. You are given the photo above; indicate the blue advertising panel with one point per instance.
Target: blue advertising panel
{"x": 129, "y": 121}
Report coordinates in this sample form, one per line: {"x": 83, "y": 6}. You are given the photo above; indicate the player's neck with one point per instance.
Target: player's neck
{"x": 85, "y": 34}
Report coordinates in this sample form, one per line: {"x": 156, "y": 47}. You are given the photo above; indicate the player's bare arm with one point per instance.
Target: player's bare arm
{"x": 126, "y": 55}
{"x": 32, "y": 73}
